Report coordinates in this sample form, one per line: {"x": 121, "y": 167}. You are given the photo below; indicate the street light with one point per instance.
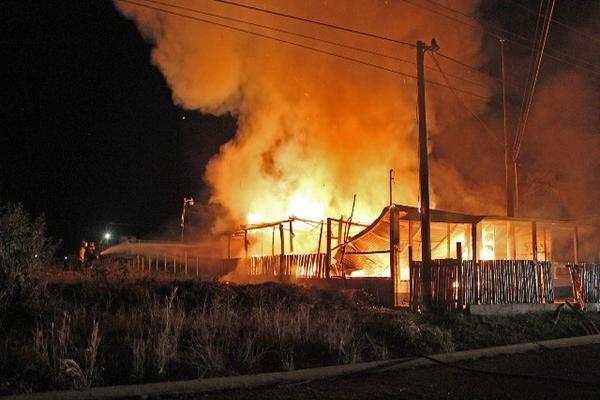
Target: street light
{"x": 107, "y": 236}
{"x": 186, "y": 202}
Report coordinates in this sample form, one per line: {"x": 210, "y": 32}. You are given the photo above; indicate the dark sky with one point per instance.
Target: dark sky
{"x": 90, "y": 134}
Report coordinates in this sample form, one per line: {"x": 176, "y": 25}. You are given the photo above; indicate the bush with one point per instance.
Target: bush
{"x": 24, "y": 248}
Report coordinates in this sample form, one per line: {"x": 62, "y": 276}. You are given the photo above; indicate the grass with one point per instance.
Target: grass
{"x": 114, "y": 327}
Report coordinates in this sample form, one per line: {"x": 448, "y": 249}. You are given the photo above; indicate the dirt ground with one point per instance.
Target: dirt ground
{"x": 568, "y": 373}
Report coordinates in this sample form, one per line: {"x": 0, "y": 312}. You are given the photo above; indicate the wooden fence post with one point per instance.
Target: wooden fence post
{"x": 394, "y": 243}
{"x": 186, "y": 261}
{"x": 328, "y": 254}
{"x": 459, "y": 275}
{"x": 291, "y": 236}
{"x": 282, "y": 255}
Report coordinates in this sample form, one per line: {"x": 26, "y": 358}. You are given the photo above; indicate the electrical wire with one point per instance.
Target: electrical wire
{"x": 555, "y": 21}
{"x": 315, "y": 38}
{"x": 306, "y": 47}
{"x": 462, "y": 103}
{"x": 523, "y": 38}
{"x": 328, "y": 25}
{"x": 532, "y": 91}
{"x": 529, "y": 77}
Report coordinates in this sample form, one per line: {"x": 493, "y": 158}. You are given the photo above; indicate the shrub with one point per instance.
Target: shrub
{"x": 24, "y": 248}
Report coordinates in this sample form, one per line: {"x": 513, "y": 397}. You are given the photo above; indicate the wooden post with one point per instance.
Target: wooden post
{"x": 474, "y": 242}
{"x": 291, "y": 236}
{"x": 186, "y": 262}
{"x": 394, "y": 244}
{"x": 229, "y": 247}
{"x": 320, "y": 238}
{"x": 273, "y": 243}
{"x": 424, "y": 177}
{"x": 245, "y": 243}
{"x": 459, "y": 273}
{"x": 534, "y": 254}
{"x": 576, "y": 244}
{"x": 282, "y": 255}
{"x": 328, "y": 254}
{"x": 340, "y": 235}
{"x": 448, "y": 244}
{"x": 545, "y": 246}
{"x": 412, "y": 284}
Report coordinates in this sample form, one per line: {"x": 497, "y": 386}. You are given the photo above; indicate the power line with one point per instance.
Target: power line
{"x": 532, "y": 91}
{"x": 533, "y": 58}
{"x": 299, "y": 45}
{"x": 315, "y": 38}
{"x": 462, "y": 103}
{"x": 328, "y": 25}
{"x": 557, "y": 22}
{"x": 496, "y": 36}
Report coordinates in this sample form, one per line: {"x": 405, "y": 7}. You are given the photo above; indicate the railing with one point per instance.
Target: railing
{"x": 182, "y": 264}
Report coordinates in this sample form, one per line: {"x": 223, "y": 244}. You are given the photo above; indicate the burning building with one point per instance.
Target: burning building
{"x": 318, "y": 124}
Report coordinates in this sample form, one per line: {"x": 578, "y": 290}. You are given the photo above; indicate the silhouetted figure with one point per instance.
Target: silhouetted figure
{"x": 91, "y": 254}
{"x": 82, "y": 254}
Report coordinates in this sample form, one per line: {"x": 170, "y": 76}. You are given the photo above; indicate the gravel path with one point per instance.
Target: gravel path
{"x": 556, "y": 372}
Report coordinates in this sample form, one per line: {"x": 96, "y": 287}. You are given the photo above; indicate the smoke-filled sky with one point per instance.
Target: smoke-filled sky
{"x": 96, "y": 106}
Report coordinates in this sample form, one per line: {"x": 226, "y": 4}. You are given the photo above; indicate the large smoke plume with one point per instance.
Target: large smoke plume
{"x": 315, "y": 129}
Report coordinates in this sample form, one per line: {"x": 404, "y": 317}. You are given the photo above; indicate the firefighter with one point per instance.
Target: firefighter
{"x": 82, "y": 254}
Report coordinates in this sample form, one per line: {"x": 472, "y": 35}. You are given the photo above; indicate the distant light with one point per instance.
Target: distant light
{"x": 183, "y": 117}
{"x": 65, "y": 257}
{"x": 107, "y": 236}
{"x": 35, "y": 256}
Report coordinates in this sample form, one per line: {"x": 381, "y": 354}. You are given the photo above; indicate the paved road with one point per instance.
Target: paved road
{"x": 555, "y": 371}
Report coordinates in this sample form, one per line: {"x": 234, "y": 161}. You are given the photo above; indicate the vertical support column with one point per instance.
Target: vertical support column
{"x": 282, "y": 255}
{"x": 273, "y": 242}
{"x": 459, "y": 280}
{"x": 534, "y": 241}
{"x": 340, "y": 235}
{"x": 448, "y": 244}
{"x": 576, "y": 244}
{"x": 394, "y": 244}
{"x": 328, "y": 254}
{"x": 474, "y": 242}
{"x": 546, "y": 256}
{"x": 320, "y": 238}
{"x": 186, "y": 262}
{"x": 412, "y": 283}
{"x": 229, "y": 246}
{"x": 246, "y": 243}
{"x": 291, "y": 236}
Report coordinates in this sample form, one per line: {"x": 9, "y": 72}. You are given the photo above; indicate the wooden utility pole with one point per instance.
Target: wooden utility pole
{"x": 424, "y": 175}
{"x": 508, "y": 171}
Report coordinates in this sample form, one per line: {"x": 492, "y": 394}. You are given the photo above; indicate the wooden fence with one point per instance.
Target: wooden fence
{"x": 591, "y": 283}
{"x": 456, "y": 284}
{"x": 311, "y": 265}
{"x": 182, "y": 264}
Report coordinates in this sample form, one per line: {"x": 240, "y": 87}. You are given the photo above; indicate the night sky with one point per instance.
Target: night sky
{"x": 90, "y": 135}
